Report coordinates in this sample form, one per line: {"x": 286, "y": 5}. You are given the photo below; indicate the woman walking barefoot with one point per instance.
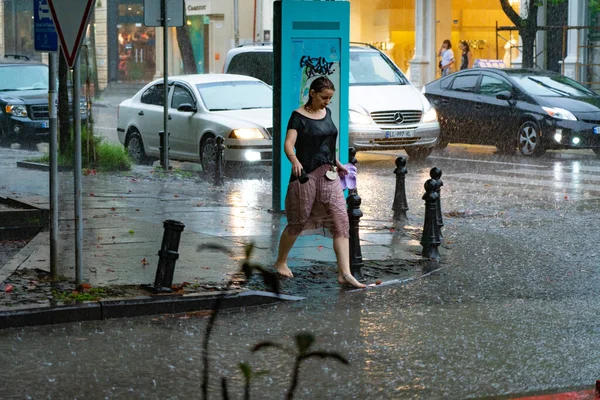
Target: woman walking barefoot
{"x": 319, "y": 202}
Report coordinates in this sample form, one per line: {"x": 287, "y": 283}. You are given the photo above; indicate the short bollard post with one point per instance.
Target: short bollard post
{"x": 400, "y": 205}
{"x": 436, "y": 174}
{"x": 354, "y": 215}
{"x": 161, "y": 142}
{"x": 430, "y": 240}
{"x": 352, "y": 156}
{"x": 168, "y": 255}
{"x": 220, "y": 147}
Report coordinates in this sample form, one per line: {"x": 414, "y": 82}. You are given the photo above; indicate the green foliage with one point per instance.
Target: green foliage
{"x": 92, "y": 294}
{"x": 159, "y": 172}
{"x": 96, "y": 154}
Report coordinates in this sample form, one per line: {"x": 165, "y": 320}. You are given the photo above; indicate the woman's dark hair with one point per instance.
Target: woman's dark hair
{"x": 466, "y": 44}
{"x": 448, "y": 43}
{"x": 318, "y": 85}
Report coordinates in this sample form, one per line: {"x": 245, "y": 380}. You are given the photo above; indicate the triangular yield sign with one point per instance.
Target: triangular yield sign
{"x": 70, "y": 19}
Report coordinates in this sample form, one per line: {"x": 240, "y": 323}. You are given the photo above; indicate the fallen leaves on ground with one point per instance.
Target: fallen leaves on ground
{"x": 144, "y": 262}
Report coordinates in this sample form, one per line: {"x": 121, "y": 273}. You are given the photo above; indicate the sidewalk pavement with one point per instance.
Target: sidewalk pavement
{"x": 123, "y": 215}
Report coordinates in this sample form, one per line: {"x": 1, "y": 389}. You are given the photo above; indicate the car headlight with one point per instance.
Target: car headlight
{"x": 246, "y": 133}
{"x": 17, "y": 111}
{"x": 560, "y": 113}
{"x": 359, "y": 118}
{"x": 430, "y": 115}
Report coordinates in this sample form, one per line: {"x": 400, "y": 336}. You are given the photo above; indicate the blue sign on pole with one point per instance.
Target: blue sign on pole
{"x": 44, "y": 32}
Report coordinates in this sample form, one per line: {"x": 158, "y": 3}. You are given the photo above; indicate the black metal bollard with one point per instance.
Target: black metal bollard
{"x": 219, "y": 148}
{"x": 436, "y": 174}
{"x": 161, "y": 144}
{"x": 400, "y": 205}
{"x": 353, "y": 202}
{"x": 168, "y": 256}
{"x": 354, "y": 215}
{"x": 430, "y": 240}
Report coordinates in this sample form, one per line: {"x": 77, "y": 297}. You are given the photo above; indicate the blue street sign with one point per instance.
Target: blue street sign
{"x": 44, "y": 32}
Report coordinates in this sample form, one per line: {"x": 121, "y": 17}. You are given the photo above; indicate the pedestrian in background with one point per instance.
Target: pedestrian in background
{"x": 447, "y": 55}
{"x": 466, "y": 59}
{"x": 318, "y": 201}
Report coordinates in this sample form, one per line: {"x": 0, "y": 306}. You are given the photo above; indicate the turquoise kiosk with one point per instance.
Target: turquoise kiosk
{"x": 311, "y": 39}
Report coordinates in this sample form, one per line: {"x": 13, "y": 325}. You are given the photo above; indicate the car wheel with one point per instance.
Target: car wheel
{"x": 529, "y": 140}
{"x": 208, "y": 155}
{"x": 418, "y": 153}
{"x": 135, "y": 147}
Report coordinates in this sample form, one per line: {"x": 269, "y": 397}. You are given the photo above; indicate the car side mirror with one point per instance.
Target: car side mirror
{"x": 187, "y": 107}
{"x": 504, "y": 95}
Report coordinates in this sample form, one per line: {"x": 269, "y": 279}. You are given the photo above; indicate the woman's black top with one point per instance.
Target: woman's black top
{"x": 315, "y": 143}
{"x": 464, "y": 62}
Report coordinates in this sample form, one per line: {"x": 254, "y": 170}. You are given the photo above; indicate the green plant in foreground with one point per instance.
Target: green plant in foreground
{"x": 304, "y": 342}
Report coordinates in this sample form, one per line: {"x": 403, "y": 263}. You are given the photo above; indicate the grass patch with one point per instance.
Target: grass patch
{"x": 159, "y": 172}
{"x": 95, "y": 155}
{"x": 92, "y": 294}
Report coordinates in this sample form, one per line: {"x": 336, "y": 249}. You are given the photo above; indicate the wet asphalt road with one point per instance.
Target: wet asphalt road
{"x": 513, "y": 311}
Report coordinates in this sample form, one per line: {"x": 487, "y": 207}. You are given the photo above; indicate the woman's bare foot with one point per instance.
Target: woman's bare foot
{"x": 347, "y": 279}
{"x": 283, "y": 270}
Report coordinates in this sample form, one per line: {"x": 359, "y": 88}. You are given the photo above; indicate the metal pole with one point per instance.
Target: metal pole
{"x": 77, "y": 176}
{"x": 165, "y": 24}
{"x": 52, "y": 108}
{"x": 236, "y": 22}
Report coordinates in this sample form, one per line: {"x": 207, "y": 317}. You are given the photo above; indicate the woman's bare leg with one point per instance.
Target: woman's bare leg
{"x": 285, "y": 245}
{"x": 341, "y": 246}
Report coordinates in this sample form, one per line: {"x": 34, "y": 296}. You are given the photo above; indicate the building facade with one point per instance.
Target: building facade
{"x": 409, "y": 31}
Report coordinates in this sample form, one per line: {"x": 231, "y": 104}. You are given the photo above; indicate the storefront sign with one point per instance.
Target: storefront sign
{"x": 197, "y": 7}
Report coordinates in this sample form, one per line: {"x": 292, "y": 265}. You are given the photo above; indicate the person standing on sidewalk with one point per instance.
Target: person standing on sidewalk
{"x": 318, "y": 202}
{"x": 447, "y": 55}
{"x": 466, "y": 59}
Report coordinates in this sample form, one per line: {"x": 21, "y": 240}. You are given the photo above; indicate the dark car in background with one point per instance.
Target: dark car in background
{"x": 24, "y": 116}
{"x": 525, "y": 109}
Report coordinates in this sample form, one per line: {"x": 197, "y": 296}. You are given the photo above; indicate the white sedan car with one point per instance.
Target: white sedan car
{"x": 201, "y": 107}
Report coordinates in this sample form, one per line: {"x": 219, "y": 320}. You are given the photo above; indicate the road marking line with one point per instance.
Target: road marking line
{"x": 488, "y": 162}
{"x": 525, "y": 182}
{"x": 566, "y": 175}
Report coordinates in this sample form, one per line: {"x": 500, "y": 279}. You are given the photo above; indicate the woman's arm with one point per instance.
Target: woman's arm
{"x": 288, "y": 147}
{"x": 470, "y": 58}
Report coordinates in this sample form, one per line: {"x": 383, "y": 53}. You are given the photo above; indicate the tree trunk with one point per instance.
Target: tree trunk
{"x": 528, "y": 39}
{"x": 186, "y": 50}
{"x": 64, "y": 123}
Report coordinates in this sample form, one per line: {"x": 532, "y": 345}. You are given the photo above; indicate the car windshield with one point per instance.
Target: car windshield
{"x": 371, "y": 68}
{"x": 553, "y": 85}
{"x": 23, "y": 77}
{"x": 241, "y": 95}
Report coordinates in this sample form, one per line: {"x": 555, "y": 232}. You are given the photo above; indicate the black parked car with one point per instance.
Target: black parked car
{"x": 24, "y": 101}
{"x": 524, "y": 109}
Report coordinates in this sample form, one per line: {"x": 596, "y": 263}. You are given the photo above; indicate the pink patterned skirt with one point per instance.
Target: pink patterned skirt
{"x": 318, "y": 203}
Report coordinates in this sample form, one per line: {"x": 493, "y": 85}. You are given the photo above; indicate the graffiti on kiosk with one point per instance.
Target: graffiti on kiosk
{"x": 316, "y": 66}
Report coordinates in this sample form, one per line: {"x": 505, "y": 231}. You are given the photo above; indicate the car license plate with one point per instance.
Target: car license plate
{"x": 597, "y": 130}
{"x": 45, "y": 124}
{"x": 398, "y": 134}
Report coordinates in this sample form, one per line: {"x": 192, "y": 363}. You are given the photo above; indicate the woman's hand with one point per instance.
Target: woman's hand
{"x": 342, "y": 171}
{"x": 296, "y": 167}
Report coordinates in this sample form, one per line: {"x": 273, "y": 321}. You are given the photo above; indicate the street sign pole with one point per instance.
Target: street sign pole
{"x": 70, "y": 20}
{"x": 165, "y": 25}
{"x": 52, "y": 111}
{"x": 77, "y": 175}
